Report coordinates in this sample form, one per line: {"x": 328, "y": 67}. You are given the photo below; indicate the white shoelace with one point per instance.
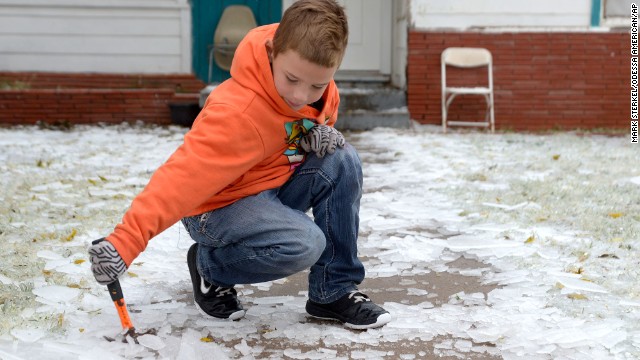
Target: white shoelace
{"x": 223, "y": 291}
{"x": 357, "y": 296}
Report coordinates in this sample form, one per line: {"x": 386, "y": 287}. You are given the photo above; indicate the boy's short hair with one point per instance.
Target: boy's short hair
{"x": 316, "y": 29}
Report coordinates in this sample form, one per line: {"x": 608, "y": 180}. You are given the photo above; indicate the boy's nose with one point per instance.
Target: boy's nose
{"x": 299, "y": 96}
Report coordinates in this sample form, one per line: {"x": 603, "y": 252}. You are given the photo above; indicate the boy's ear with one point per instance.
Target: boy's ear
{"x": 269, "y": 45}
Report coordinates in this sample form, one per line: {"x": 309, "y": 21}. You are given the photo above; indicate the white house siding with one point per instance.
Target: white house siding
{"x": 465, "y": 14}
{"x": 102, "y": 36}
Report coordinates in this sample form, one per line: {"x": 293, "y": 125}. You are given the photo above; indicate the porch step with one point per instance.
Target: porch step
{"x": 363, "y": 105}
{"x": 366, "y": 106}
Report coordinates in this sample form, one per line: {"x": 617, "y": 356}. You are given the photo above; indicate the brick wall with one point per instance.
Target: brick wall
{"x": 185, "y": 83}
{"x": 28, "y": 98}
{"x": 542, "y": 81}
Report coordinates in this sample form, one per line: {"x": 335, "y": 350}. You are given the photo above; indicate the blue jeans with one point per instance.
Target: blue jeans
{"x": 268, "y": 236}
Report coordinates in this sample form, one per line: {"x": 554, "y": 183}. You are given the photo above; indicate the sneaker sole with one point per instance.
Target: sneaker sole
{"x": 380, "y": 321}
{"x": 234, "y": 316}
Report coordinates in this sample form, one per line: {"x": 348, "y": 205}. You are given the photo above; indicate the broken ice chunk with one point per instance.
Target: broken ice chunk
{"x": 572, "y": 285}
{"x": 28, "y": 335}
{"x": 153, "y": 342}
{"x": 56, "y": 293}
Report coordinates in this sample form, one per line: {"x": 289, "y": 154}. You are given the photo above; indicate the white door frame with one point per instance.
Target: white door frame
{"x": 399, "y": 42}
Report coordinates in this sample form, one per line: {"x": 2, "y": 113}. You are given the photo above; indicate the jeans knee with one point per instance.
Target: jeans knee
{"x": 309, "y": 249}
{"x": 317, "y": 245}
{"x": 351, "y": 169}
{"x": 349, "y": 156}
{"x": 344, "y": 165}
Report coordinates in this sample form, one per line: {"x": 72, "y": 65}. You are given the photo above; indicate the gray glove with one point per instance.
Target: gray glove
{"x": 322, "y": 139}
{"x": 106, "y": 264}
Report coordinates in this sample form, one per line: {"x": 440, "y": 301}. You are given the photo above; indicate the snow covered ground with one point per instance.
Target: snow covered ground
{"x": 549, "y": 223}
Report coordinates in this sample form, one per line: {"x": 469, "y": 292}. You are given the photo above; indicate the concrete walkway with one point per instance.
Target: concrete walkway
{"x": 442, "y": 287}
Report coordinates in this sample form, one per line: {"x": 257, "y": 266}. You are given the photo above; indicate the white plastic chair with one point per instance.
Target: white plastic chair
{"x": 462, "y": 57}
{"x": 236, "y": 21}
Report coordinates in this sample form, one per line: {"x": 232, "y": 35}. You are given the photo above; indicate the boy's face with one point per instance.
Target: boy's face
{"x": 298, "y": 81}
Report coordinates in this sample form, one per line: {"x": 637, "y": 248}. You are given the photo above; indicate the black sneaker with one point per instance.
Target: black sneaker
{"x": 355, "y": 310}
{"x": 217, "y": 302}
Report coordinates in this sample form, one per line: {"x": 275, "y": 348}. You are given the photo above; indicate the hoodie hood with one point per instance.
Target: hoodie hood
{"x": 251, "y": 68}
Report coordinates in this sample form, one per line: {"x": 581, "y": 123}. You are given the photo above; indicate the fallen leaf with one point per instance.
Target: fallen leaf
{"x": 577, "y": 297}
{"x": 73, "y": 234}
{"x": 576, "y": 270}
{"x": 132, "y": 274}
{"x": 615, "y": 215}
{"x": 79, "y": 261}
{"x": 556, "y": 157}
{"x": 207, "y": 339}
{"x": 530, "y": 239}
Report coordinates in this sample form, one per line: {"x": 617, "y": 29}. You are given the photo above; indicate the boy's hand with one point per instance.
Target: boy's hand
{"x": 106, "y": 264}
{"x": 322, "y": 139}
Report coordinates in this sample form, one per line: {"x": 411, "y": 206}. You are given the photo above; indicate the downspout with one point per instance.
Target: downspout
{"x": 596, "y": 7}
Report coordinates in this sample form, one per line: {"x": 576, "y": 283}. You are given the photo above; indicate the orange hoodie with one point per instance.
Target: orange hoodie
{"x": 245, "y": 140}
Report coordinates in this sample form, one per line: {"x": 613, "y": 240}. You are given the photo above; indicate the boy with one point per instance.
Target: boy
{"x": 260, "y": 154}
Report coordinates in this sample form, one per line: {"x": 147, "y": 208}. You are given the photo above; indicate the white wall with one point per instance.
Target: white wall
{"x": 464, "y": 14}
{"x": 106, "y": 36}
{"x": 399, "y": 43}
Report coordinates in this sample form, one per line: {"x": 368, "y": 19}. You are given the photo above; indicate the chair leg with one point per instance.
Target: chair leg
{"x": 493, "y": 120}
{"x": 445, "y": 109}
{"x": 210, "y": 65}
{"x": 487, "y": 113}
{"x": 444, "y": 113}
{"x": 488, "y": 116}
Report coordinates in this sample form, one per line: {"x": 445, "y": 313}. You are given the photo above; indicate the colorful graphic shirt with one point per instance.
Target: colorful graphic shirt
{"x": 295, "y": 131}
{"x": 244, "y": 141}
